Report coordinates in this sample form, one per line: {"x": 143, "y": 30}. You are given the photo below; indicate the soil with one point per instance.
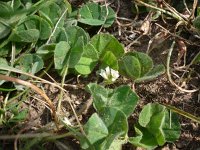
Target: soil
{"x": 127, "y": 29}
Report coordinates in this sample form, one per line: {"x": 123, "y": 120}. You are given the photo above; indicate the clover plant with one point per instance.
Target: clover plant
{"x": 109, "y": 125}
{"x": 48, "y": 34}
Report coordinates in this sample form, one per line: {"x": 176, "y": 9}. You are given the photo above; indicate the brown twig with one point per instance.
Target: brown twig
{"x": 169, "y": 75}
{"x": 37, "y": 90}
{"x": 7, "y": 68}
{"x": 195, "y": 3}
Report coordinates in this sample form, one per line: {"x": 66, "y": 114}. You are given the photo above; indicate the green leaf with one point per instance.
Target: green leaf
{"x": 124, "y": 99}
{"x": 150, "y": 110}
{"x": 68, "y": 6}
{"x": 110, "y": 60}
{"x": 121, "y": 98}
{"x": 130, "y": 66}
{"x": 90, "y": 52}
{"x": 19, "y": 117}
{"x": 74, "y": 33}
{"x": 146, "y": 62}
{"x": 154, "y": 73}
{"x": 95, "y": 130}
{"x": 3, "y": 62}
{"x": 196, "y": 22}
{"x": 4, "y": 30}
{"x": 16, "y": 4}
{"x": 76, "y": 38}
{"x": 152, "y": 117}
{"x": 35, "y": 22}
{"x": 46, "y": 17}
{"x": 100, "y": 95}
{"x": 52, "y": 12}
{"x": 156, "y": 126}
{"x": 116, "y": 125}
{"x": 60, "y": 54}
{"x": 31, "y": 63}
{"x": 115, "y": 120}
{"x": 171, "y": 126}
{"x": 15, "y": 18}
{"x": 158, "y": 122}
{"x": 85, "y": 66}
{"x": 139, "y": 67}
{"x": 111, "y": 142}
{"x": 117, "y": 144}
{"x": 88, "y": 60}
{"x": 143, "y": 138}
{"x": 5, "y": 50}
{"x": 67, "y": 57}
{"x": 46, "y": 51}
{"x": 5, "y": 10}
{"x": 28, "y": 36}
{"x": 95, "y": 15}
{"x": 75, "y": 53}
{"x": 61, "y": 36}
{"x": 106, "y": 42}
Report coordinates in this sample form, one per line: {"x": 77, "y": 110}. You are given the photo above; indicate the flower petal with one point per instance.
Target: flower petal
{"x": 108, "y": 71}
{"x": 103, "y": 74}
{"x": 115, "y": 74}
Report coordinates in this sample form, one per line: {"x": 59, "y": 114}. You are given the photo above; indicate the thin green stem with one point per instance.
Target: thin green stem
{"x": 25, "y": 136}
{"x": 174, "y": 15}
{"x": 56, "y": 26}
{"x": 62, "y": 92}
{"x": 183, "y": 113}
{"x": 59, "y": 136}
{"x": 46, "y": 69}
{"x": 65, "y": 72}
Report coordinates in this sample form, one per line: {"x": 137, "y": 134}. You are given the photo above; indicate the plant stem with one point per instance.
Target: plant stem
{"x": 168, "y": 71}
{"x": 61, "y": 97}
{"x": 46, "y": 70}
{"x": 175, "y": 15}
{"x": 25, "y": 136}
{"x": 62, "y": 92}
{"x": 15, "y": 97}
{"x": 8, "y": 68}
{"x": 56, "y": 26}
{"x": 183, "y": 113}
{"x": 37, "y": 90}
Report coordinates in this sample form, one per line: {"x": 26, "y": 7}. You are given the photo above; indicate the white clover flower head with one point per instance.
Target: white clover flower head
{"x": 109, "y": 74}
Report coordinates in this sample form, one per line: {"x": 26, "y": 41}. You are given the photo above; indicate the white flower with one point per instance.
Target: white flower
{"x": 66, "y": 121}
{"x": 109, "y": 74}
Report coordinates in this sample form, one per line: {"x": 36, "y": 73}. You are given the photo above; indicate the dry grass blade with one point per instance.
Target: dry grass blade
{"x": 174, "y": 15}
{"x": 192, "y": 15}
{"x": 7, "y": 68}
{"x": 37, "y": 90}
{"x": 183, "y": 113}
{"x": 169, "y": 75}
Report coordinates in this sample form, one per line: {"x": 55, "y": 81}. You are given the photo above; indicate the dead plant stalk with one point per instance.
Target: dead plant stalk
{"x": 37, "y": 90}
